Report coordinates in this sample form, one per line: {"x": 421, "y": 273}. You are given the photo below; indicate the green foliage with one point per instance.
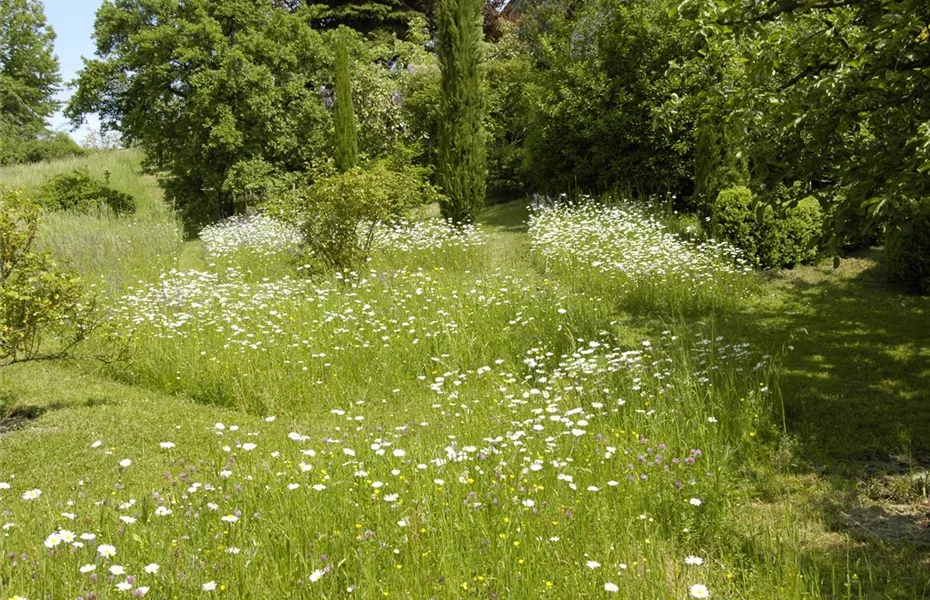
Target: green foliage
{"x": 420, "y": 110}
{"x": 833, "y": 92}
{"x": 346, "y": 131}
{"x": 17, "y": 148}
{"x": 908, "y": 245}
{"x": 205, "y": 87}
{"x": 28, "y": 66}
{"x": 771, "y": 237}
{"x": 600, "y": 82}
{"x": 338, "y": 213}
{"x": 369, "y": 16}
{"x": 510, "y": 76}
{"x": 28, "y": 81}
{"x": 790, "y": 236}
{"x": 733, "y": 219}
{"x": 718, "y": 164}
{"x": 229, "y": 99}
{"x": 37, "y": 298}
{"x": 78, "y": 191}
{"x": 462, "y": 160}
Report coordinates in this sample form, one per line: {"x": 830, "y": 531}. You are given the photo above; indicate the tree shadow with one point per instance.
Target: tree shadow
{"x": 15, "y": 415}
{"x": 510, "y": 217}
{"x": 855, "y": 384}
{"x": 855, "y": 358}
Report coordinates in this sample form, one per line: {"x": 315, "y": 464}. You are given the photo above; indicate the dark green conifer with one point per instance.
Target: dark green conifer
{"x": 462, "y": 162}
{"x": 346, "y": 152}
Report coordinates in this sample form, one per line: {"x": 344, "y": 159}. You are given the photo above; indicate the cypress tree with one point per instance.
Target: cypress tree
{"x": 718, "y": 162}
{"x": 346, "y": 152}
{"x": 462, "y": 171}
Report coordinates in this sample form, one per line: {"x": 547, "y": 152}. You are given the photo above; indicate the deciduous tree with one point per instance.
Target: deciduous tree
{"x": 29, "y": 74}
{"x": 216, "y": 92}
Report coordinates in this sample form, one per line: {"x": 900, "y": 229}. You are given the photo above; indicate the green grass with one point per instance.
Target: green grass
{"x": 122, "y": 165}
{"x": 857, "y": 381}
{"x": 109, "y": 252}
{"x": 512, "y": 375}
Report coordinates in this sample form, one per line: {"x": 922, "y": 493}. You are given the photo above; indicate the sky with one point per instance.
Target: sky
{"x": 73, "y": 22}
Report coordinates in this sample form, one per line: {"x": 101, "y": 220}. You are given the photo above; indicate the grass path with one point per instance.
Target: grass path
{"x": 857, "y": 383}
{"x": 856, "y": 388}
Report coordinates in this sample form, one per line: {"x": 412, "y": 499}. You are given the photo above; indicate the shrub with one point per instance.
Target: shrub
{"x": 37, "y": 296}
{"x": 506, "y": 179}
{"x": 789, "y": 236}
{"x": 734, "y": 219}
{"x": 908, "y": 247}
{"x": 770, "y": 236}
{"x": 338, "y": 213}
{"x": 18, "y": 149}
{"x": 80, "y": 192}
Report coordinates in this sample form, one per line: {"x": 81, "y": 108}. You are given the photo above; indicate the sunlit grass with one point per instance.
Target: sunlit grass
{"x": 108, "y": 252}
{"x": 442, "y": 423}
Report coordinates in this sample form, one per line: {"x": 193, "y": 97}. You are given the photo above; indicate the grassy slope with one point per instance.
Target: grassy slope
{"x": 855, "y": 392}
{"x": 110, "y": 252}
{"x": 122, "y": 165}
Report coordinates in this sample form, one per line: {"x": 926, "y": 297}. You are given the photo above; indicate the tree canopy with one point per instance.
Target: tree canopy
{"x": 215, "y": 91}
{"x": 831, "y": 93}
{"x": 29, "y": 74}
{"x": 29, "y": 79}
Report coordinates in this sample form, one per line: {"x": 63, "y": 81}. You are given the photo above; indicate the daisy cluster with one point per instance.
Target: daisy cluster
{"x": 256, "y": 233}
{"x": 427, "y": 235}
{"x": 376, "y": 309}
{"x": 628, "y": 245}
{"x": 323, "y": 333}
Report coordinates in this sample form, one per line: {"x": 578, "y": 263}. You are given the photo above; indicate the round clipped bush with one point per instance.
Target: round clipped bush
{"x": 908, "y": 247}
{"x": 734, "y": 219}
{"x": 790, "y": 237}
{"x": 769, "y": 237}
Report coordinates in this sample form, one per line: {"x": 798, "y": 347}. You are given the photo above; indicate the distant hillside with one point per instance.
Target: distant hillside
{"x": 123, "y": 166}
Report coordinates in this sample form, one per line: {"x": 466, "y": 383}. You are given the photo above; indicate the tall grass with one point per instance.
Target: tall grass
{"x": 420, "y": 432}
{"x": 123, "y": 167}
{"x": 110, "y": 252}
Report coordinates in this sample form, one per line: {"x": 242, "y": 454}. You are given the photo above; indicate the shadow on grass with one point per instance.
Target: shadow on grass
{"x": 855, "y": 383}
{"x": 15, "y": 414}
{"x": 856, "y": 363}
{"x": 510, "y": 217}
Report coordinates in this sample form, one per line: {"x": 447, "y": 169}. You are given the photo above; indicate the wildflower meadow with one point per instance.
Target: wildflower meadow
{"x": 423, "y": 430}
{"x": 465, "y": 299}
